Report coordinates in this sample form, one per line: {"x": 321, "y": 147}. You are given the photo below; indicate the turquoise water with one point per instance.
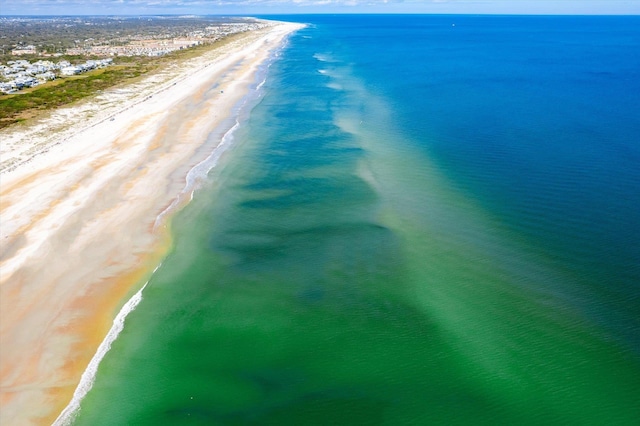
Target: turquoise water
{"x": 419, "y": 223}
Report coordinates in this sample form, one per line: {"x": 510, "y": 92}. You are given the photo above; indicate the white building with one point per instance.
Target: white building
{"x": 70, "y": 70}
{"x": 22, "y": 82}
{"x": 46, "y": 76}
{"x": 7, "y": 87}
{"x": 24, "y": 50}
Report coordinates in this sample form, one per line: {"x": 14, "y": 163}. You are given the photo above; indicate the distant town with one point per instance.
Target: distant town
{"x": 40, "y": 49}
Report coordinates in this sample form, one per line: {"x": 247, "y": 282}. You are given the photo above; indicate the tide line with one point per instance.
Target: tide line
{"x": 68, "y": 415}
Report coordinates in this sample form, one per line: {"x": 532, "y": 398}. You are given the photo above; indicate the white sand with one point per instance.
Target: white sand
{"x": 79, "y": 195}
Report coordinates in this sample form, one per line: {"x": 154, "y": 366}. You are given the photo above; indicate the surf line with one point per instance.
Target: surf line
{"x": 71, "y": 411}
{"x": 240, "y": 112}
{"x": 88, "y": 377}
{"x": 195, "y": 176}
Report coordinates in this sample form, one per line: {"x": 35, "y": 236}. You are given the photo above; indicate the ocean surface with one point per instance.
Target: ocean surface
{"x": 422, "y": 220}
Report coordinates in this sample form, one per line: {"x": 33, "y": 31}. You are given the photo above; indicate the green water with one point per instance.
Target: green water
{"x": 340, "y": 293}
{"x": 330, "y": 272}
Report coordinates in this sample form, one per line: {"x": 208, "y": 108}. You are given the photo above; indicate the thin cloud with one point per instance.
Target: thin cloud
{"x": 62, "y": 7}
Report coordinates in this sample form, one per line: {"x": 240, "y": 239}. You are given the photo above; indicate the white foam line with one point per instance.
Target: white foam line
{"x": 200, "y": 170}
{"x": 70, "y": 412}
{"x": 68, "y": 415}
{"x": 198, "y": 173}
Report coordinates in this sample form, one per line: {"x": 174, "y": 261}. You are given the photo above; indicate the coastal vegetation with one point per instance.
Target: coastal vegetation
{"x": 19, "y": 107}
{"x": 29, "y": 103}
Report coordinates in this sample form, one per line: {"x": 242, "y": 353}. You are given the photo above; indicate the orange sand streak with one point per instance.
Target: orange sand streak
{"x": 110, "y": 297}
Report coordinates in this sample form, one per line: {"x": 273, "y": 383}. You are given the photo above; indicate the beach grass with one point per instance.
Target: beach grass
{"x": 28, "y": 104}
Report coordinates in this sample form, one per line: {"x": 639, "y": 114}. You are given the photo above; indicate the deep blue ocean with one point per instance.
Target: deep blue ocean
{"x": 422, "y": 220}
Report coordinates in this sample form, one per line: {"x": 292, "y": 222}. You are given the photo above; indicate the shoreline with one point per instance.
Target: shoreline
{"x": 80, "y": 231}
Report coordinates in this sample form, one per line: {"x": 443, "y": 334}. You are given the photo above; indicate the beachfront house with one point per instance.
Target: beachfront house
{"x": 71, "y": 70}
{"x": 25, "y": 81}
{"x": 7, "y": 87}
{"x": 46, "y": 76}
{"x": 25, "y": 74}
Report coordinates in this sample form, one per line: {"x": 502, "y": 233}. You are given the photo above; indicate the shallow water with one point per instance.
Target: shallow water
{"x": 419, "y": 223}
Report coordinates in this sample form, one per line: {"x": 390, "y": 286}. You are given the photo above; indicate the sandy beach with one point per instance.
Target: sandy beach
{"x": 80, "y": 194}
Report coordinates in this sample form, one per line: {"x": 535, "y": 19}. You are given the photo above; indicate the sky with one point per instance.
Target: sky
{"x": 261, "y": 7}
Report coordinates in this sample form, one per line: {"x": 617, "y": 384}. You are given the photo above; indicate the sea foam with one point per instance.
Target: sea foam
{"x": 194, "y": 177}
{"x": 199, "y": 172}
{"x": 70, "y": 412}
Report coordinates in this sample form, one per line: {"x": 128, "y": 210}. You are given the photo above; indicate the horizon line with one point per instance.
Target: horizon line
{"x": 316, "y": 13}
